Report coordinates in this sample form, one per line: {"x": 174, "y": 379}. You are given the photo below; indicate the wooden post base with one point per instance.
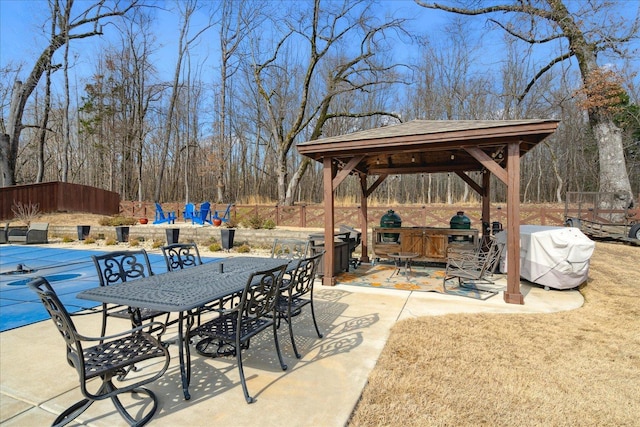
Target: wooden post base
{"x": 513, "y": 298}
{"x": 328, "y": 281}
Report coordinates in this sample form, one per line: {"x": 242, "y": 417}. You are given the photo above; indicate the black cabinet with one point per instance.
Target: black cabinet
{"x": 341, "y": 254}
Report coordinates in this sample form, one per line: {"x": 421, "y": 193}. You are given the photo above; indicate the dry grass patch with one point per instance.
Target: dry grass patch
{"x": 580, "y": 367}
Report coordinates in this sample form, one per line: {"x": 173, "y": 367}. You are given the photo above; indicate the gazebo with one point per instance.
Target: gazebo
{"x": 430, "y": 146}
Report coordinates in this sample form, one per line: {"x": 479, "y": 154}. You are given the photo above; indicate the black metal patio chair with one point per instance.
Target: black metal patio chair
{"x": 255, "y": 312}
{"x": 110, "y": 357}
{"x": 297, "y": 292}
{"x": 181, "y": 255}
{"x": 123, "y": 266}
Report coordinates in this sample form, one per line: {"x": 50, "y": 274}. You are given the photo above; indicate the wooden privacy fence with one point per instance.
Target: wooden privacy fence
{"x": 59, "y": 197}
{"x": 312, "y": 216}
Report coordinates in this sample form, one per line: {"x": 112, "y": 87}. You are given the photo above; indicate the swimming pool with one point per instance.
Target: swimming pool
{"x": 69, "y": 271}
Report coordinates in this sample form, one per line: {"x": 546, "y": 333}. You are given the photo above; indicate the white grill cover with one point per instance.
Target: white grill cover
{"x": 557, "y": 257}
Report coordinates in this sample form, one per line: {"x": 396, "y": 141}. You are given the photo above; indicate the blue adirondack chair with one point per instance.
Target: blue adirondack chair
{"x": 189, "y": 211}
{"x": 204, "y": 216}
{"x": 225, "y": 217}
{"x": 169, "y": 218}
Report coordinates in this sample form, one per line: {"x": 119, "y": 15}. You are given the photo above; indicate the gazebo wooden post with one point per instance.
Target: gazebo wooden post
{"x": 364, "y": 219}
{"x": 328, "y": 173}
{"x": 486, "y": 200}
{"x": 513, "y": 294}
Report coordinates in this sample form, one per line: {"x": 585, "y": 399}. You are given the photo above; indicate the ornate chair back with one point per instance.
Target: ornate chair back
{"x": 121, "y": 266}
{"x": 304, "y": 275}
{"x": 260, "y": 295}
{"x": 181, "y": 255}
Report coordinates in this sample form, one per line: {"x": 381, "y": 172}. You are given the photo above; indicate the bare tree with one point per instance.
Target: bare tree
{"x": 88, "y": 24}
{"x": 236, "y": 22}
{"x": 185, "y": 40}
{"x": 549, "y": 21}
{"x": 286, "y": 87}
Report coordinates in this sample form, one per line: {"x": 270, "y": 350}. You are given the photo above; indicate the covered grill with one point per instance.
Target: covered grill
{"x": 390, "y": 220}
{"x": 460, "y": 222}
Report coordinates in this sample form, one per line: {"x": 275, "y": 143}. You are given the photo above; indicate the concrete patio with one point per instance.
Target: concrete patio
{"x": 321, "y": 389}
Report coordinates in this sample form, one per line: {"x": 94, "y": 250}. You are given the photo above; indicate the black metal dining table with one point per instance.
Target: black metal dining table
{"x": 183, "y": 292}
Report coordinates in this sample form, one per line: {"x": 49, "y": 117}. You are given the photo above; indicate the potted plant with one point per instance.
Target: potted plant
{"x": 143, "y": 220}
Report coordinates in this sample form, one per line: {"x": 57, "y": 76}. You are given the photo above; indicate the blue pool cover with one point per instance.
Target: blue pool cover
{"x": 68, "y": 270}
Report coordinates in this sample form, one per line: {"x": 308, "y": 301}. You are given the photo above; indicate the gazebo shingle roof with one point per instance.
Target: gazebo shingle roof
{"x": 425, "y": 146}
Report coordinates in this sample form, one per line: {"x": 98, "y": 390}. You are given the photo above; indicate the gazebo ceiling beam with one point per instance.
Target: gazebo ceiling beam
{"x": 434, "y": 168}
{"x": 376, "y": 184}
{"x": 385, "y": 155}
{"x": 346, "y": 170}
{"x": 488, "y": 162}
{"x": 466, "y": 178}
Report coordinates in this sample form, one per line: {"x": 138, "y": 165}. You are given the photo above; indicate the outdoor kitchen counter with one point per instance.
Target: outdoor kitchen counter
{"x": 430, "y": 243}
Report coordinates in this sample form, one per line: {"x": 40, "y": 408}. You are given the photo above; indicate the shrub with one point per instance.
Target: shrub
{"x": 134, "y": 242}
{"x": 89, "y": 241}
{"x": 110, "y": 242}
{"x": 67, "y": 239}
{"x": 254, "y": 222}
{"x": 215, "y": 247}
{"x": 157, "y": 243}
{"x": 117, "y": 221}
{"x": 269, "y": 224}
{"x": 243, "y": 249}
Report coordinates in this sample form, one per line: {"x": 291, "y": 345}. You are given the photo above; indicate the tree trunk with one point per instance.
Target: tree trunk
{"x": 613, "y": 171}
{"x": 42, "y": 132}
{"x": 6, "y": 168}
{"x": 295, "y": 181}
{"x": 281, "y": 169}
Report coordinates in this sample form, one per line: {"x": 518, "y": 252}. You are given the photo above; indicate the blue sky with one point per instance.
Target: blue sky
{"x": 23, "y": 34}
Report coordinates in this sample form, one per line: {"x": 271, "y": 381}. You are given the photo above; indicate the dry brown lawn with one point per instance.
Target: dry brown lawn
{"x": 70, "y": 218}
{"x": 580, "y": 367}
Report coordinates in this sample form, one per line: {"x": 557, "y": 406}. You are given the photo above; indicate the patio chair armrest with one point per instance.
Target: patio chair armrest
{"x": 158, "y": 328}
{"x": 465, "y": 263}
{"x": 37, "y": 236}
